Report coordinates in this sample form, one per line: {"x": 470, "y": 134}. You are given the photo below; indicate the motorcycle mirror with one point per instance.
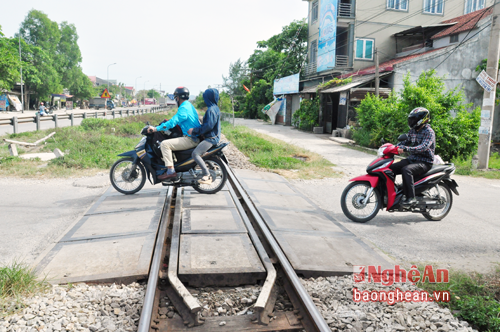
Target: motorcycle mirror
{"x": 147, "y": 123}
{"x": 402, "y": 138}
{"x": 382, "y": 141}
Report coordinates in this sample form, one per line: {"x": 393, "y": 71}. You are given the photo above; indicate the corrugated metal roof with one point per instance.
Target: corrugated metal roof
{"x": 310, "y": 89}
{"x": 355, "y": 82}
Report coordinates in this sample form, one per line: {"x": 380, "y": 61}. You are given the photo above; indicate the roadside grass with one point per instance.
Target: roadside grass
{"x": 474, "y": 297}
{"x": 89, "y": 148}
{"x": 464, "y": 167}
{"x": 273, "y": 154}
{"x": 18, "y": 280}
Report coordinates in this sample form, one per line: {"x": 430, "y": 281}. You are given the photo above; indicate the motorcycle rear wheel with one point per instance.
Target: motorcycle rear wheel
{"x": 441, "y": 213}
{"x": 352, "y": 207}
{"x": 214, "y": 165}
{"x": 126, "y": 180}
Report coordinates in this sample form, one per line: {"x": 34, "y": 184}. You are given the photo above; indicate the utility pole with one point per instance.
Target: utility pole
{"x": 21, "y": 61}
{"x": 488, "y": 108}
{"x": 377, "y": 77}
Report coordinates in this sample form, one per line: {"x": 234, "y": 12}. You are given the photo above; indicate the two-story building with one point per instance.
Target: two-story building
{"x": 344, "y": 34}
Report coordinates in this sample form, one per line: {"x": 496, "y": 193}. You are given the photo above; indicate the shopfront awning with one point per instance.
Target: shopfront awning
{"x": 310, "y": 89}
{"x": 356, "y": 81}
{"x": 62, "y": 96}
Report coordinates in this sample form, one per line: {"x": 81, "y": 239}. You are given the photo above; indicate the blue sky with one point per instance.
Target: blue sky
{"x": 172, "y": 43}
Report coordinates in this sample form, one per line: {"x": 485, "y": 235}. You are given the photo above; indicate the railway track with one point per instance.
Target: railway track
{"x": 164, "y": 281}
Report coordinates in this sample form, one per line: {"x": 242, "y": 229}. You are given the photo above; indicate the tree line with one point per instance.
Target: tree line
{"x": 50, "y": 59}
{"x": 281, "y": 55}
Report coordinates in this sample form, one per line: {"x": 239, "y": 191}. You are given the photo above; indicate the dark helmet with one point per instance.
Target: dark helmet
{"x": 181, "y": 92}
{"x": 418, "y": 117}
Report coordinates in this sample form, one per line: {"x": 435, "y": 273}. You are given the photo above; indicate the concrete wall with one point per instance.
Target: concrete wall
{"x": 459, "y": 69}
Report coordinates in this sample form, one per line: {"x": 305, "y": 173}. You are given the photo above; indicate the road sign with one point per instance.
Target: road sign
{"x": 105, "y": 94}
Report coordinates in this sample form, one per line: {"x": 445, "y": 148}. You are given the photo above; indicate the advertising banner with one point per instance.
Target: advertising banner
{"x": 272, "y": 109}
{"x": 16, "y": 102}
{"x": 327, "y": 35}
{"x": 69, "y": 105}
{"x": 286, "y": 85}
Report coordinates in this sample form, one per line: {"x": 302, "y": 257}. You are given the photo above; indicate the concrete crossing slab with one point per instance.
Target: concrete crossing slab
{"x": 113, "y": 241}
{"x": 314, "y": 241}
{"x": 218, "y": 259}
{"x": 215, "y": 248}
{"x": 212, "y": 221}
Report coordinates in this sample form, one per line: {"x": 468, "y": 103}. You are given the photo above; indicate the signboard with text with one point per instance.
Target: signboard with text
{"x": 486, "y": 81}
{"x": 69, "y": 105}
{"x": 286, "y": 85}
{"x": 327, "y": 35}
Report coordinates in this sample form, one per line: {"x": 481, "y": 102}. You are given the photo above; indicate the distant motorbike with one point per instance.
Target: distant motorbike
{"x": 128, "y": 174}
{"x": 367, "y": 194}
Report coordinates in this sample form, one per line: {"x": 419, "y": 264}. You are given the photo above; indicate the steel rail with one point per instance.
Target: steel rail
{"x": 147, "y": 308}
{"x": 315, "y": 317}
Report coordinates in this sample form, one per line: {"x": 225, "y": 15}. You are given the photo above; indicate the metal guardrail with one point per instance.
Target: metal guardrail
{"x": 37, "y": 119}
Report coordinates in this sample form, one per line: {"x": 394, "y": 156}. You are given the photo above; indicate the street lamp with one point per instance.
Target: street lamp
{"x": 107, "y": 77}
{"x": 135, "y": 86}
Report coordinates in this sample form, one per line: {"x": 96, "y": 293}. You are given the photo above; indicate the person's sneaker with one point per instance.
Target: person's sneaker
{"x": 167, "y": 176}
{"x": 207, "y": 179}
{"x": 409, "y": 202}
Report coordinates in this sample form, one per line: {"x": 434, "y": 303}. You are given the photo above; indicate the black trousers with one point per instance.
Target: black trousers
{"x": 408, "y": 170}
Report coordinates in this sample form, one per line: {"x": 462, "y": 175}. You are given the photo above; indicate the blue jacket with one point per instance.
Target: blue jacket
{"x": 210, "y": 129}
{"x": 186, "y": 117}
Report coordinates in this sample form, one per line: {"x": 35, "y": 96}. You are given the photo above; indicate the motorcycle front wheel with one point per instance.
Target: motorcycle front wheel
{"x": 127, "y": 178}
{"x": 353, "y": 205}
{"x": 217, "y": 167}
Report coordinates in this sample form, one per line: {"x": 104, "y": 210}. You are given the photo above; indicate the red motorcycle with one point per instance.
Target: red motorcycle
{"x": 367, "y": 194}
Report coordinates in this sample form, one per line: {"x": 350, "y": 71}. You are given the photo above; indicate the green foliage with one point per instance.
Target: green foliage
{"x": 18, "y": 280}
{"x": 199, "y": 102}
{"x": 260, "y": 95}
{"x": 153, "y": 94}
{"x": 225, "y": 102}
{"x": 266, "y": 152}
{"x": 334, "y": 82}
{"x": 472, "y": 298}
{"x": 282, "y": 54}
{"x": 9, "y": 63}
{"x": 456, "y": 129}
{"x": 307, "y": 116}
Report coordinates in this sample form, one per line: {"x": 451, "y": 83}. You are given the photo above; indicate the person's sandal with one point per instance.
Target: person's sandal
{"x": 207, "y": 179}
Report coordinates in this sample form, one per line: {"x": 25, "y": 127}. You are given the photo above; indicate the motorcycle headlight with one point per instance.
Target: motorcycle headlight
{"x": 142, "y": 143}
{"x": 380, "y": 152}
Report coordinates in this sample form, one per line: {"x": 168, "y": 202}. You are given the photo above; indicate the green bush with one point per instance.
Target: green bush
{"x": 92, "y": 124}
{"x": 307, "y": 116}
{"x": 456, "y": 128}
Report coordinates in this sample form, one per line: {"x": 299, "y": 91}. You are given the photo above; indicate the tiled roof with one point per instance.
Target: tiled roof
{"x": 388, "y": 65}
{"x": 464, "y": 22}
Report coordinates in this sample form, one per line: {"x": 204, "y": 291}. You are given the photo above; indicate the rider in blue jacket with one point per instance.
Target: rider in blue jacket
{"x": 209, "y": 132}
{"x": 186, "y": 117}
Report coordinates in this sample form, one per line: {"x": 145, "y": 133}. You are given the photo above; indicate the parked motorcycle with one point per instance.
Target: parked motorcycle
{"x": 367, "y": 194}
{"x": 128, "y": 174}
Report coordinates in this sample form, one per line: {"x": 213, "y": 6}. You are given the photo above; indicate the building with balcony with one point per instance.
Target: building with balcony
{"x": 344, "y": 35}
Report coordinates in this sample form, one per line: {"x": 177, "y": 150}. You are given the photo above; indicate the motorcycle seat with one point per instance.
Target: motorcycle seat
{"x": 435, "y": 169}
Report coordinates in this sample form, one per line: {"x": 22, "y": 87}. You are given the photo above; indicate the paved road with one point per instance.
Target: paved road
{"x": 8, "y": 129}
{"x": 466, "y": 239}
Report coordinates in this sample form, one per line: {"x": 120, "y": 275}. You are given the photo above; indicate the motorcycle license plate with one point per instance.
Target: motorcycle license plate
{"x": 141, "y": 153}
